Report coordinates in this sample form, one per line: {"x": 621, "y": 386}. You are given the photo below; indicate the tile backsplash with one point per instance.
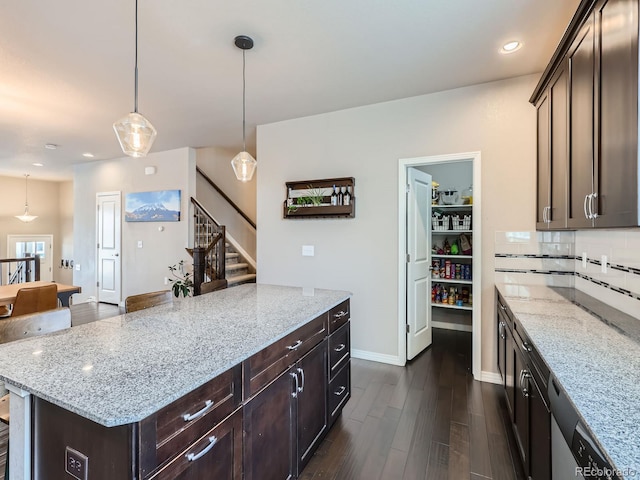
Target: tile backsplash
{"x": 556, "y": 258}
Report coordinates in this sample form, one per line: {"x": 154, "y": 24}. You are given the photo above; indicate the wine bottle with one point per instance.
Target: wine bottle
{"x": 340, "y": 196}
{"x": 346, "y": 200}
{"x": 334, "y": 196}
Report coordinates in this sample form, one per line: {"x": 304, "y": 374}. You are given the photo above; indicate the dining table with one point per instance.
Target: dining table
{"x": 8, "y": 292}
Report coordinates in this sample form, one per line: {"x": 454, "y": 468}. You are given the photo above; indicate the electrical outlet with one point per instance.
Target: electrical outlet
{"x": 139, "y": 243}
{"x": 76, "y": 464}
{"x": 603, "y": 264}
{"x": 166, "y": 280}
{"x": 584, "y": 260}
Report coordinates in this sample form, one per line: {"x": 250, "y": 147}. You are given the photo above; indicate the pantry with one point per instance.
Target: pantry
{"x": 441, "y": 240}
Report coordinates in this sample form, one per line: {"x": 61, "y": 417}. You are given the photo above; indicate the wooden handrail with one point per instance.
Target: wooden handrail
{"x": 199, "y": 205}
{"x": 228, "y": 200}
{"x": 22, "y": 263}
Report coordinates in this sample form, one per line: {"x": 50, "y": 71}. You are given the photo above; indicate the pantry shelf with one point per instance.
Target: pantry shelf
{"x": 452, "y": 307}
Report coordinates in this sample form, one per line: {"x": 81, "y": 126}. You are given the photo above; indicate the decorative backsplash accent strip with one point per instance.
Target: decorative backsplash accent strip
{"x": 621, "y": 268}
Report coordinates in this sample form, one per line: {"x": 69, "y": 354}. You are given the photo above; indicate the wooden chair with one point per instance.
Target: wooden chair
{"x": 25, "y": 326}
{"x": 134, "y": 303}
{"x": 4, "y": 311}
{"x": 35, "y": 299}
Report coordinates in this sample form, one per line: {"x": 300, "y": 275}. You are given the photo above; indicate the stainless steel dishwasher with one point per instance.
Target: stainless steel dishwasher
{"x": 574, "y": 453}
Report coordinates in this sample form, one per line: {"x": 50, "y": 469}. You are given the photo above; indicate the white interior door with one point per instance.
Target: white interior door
{"x": 418, "y": 262}
{"x": 21, "y": 246}
{"x": 109, "y": 260}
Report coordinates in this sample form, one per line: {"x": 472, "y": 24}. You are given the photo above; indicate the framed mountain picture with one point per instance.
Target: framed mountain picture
{"x": 160, "y": 206}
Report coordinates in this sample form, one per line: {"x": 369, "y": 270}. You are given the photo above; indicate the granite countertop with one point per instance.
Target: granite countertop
{"x": 594, "y": 352}
{"x": 123, "y": 369}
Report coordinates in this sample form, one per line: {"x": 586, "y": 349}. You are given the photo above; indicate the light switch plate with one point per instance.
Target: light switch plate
{"x": 603, "y": 264}
{"x": 139, "y": 243}
{"x": 78, "y": 267}
{"x": 308, "y": 250}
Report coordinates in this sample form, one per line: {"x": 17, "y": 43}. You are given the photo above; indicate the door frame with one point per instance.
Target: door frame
{"x": 97, "y": 257}
{"x": 12, "y": 236}
{"x": 476, "y": 318}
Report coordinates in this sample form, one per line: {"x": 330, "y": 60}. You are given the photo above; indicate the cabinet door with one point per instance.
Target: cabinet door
{"x": 521, "y": 408}
{"x": 581, "y": 157}
{"x": 269, "y": 432}
{"x": 539, "y": 435}
{"x": 617, "y": 172}
{"x": 510, "y": 370}
{"x": 557, "y": 211}
{"x": 312, "y": 402}
{"x": 218, "y": 454}
{"x": 544, "y": 167}
{"x": 502, "y": 342}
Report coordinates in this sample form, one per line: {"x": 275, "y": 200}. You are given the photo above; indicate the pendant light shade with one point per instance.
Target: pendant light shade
{"x": 26, "y": 217}
{"x": 135, "y": 133}
{"x": 243, "y": 163}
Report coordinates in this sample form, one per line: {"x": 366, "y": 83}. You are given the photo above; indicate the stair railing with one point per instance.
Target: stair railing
{"x": 24, "y": 272}
{"x": 208, "y": 250}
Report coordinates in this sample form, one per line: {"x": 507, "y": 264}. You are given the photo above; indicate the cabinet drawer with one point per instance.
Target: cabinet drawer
{"x": 217, "y": 454}
{"x": 339, "y": 349}
{"x": 339, "y": 391}
{"x": 267, "y": 364}
{"x": 179, "y": 424}
{"x": 339, "y": 315}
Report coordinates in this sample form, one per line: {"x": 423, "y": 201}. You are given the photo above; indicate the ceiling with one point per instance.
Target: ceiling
{"x": 67, "y": 66}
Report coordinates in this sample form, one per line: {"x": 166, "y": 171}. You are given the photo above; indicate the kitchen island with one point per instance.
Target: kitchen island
{"x": 593, "y": 352}
{"x": 142, "y": 391}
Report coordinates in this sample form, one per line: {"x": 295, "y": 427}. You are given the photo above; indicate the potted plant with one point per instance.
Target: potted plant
{"x": 182, "y": 284}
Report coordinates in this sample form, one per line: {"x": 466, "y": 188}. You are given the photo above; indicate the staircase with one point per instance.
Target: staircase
{"x": 237, "y": 270}
{"x": 210, "y": 237}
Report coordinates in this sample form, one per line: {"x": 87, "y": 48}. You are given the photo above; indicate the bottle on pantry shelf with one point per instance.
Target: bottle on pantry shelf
{"x": 445, "y": 296}
{"x": 452, "y": 295}
{"x": 446, "y": 247}
{"x": 346, "y": 199}
{"x": 334, "y": 196}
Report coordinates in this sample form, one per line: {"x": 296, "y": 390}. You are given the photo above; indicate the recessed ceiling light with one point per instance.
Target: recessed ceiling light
{"x": 38, "y": 164}
{"x": 87, "y": 155}
{"x": 50, "y": 146}
{"x": 511, "y": 47}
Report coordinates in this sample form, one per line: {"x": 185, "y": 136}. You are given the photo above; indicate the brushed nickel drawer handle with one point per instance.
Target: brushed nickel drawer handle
{"x": 340, "y": 391}
{"x": 340, "y": 314}
{"x": 192, "y": 457}
{"x": 191, "y": 416}
{"x": 301, "y": 388}
{"x": 295, "y": 345}
{"x": 339, "y": 348}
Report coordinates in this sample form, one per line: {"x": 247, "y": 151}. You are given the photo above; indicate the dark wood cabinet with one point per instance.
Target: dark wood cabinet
{"x": 525, "y": 379}
{"x": 286, "y": 421}
{"x": 581, "y": 61}
{"x": 218, "y": 454}
{"x": 311, "y": 411}
{"x": 269, "y": 431}
{"x": 616, "y": 204}
{"x": 595, "y": 69}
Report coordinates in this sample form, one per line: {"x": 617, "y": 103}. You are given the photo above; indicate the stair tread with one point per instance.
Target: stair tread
{"x": 238, "y": 279}
{"x": 236, "y": 266}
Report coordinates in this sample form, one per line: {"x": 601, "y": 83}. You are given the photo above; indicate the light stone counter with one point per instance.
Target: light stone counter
{"x": 123, "y": 369}
{"x": 596, "y": 361}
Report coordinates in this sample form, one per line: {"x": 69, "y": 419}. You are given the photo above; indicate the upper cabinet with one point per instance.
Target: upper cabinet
{"x": 587, "y": 107}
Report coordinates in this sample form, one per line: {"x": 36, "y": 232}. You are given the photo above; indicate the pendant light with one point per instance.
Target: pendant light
{"x": 26, "y": 217}
{"x": 243, "y": 163}
{"x": 135, "y": 133}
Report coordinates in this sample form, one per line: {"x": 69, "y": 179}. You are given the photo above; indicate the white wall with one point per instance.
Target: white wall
{"x": 143, "y": 269}
{"x": 360, "y": 254}
{"x": 44, "y": 197}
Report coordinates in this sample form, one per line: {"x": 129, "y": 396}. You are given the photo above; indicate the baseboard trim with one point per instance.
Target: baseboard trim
{"x": 491, "y": 377}
{"x": 459, "y": 327}
{"x": 377, "y": 357}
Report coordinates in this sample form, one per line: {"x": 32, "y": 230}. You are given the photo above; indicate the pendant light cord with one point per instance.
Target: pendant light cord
{"x": 26, "y": 196}
{"x": 135, "y": 89}
{"x": 244, "y": 87}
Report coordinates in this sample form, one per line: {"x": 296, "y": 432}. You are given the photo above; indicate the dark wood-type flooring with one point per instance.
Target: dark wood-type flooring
{"x": 429, "y": 420}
